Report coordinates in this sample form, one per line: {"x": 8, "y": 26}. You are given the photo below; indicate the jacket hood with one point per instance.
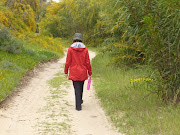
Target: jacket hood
{"x": 78, "y": 46}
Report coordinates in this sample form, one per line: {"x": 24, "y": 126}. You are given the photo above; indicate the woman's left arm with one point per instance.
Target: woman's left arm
{"x": 88, "y": 64}
{"x": 68, "y": 62}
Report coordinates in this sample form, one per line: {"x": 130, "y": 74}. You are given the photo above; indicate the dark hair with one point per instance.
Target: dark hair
{"x": 76, "y": 40}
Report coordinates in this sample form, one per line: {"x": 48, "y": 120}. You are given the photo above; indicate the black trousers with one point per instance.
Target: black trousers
{"x": 78, "y": 89}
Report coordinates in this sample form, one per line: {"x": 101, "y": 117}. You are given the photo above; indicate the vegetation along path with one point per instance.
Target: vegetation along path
{"x": 46, "y": 106}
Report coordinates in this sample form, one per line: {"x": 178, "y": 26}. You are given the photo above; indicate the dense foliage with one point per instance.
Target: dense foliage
{"x": 19, "y": 19}
{"x": 150, "y": 30}
{"x": 67, "y": 17}
{"x": 18, "y": 15}
{"x": 134, "y": 32}
{"x": 20, "y": 47}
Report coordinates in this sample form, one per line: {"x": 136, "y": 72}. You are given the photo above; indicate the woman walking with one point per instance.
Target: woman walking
{"x": 79, "y": 67}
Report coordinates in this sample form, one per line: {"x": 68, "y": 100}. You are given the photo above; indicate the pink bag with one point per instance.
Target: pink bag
{"x": 89, "y": 83}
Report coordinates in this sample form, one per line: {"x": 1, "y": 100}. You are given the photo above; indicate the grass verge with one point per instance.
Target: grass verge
{"x": 128, "y": 102}
{"x": 13, "y": 67}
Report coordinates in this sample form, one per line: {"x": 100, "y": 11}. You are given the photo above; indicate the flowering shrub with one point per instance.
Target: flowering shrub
{"x": 47, "y": 42}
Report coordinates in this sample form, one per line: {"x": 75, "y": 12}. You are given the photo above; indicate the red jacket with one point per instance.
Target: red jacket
{"x": 78, "y": 61}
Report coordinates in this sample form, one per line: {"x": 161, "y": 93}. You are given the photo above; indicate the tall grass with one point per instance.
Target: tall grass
{"x": 131, "y": 105}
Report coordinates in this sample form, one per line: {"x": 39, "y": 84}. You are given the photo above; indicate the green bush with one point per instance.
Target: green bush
{"x": 8, "y": 42}
{"x": 154, "y": 26}
{"x": 138, "y": 32}
{"x": 29, "y": 52}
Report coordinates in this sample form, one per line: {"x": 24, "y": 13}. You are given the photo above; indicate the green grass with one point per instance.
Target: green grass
{"x": 13, "y": 67}
{"x": 131, "y": 107}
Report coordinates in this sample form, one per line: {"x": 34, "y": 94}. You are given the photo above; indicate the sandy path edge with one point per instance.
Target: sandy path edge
{"x": 20, "y": 114}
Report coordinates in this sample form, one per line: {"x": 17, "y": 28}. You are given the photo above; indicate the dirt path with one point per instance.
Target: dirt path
{"x": 46, "y": 106}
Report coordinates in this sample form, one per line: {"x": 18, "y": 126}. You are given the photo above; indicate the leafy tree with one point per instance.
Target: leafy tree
{"x": 67, "y": 17}
{"x": 24, "y": 11}
{"x": 147, "y": 30}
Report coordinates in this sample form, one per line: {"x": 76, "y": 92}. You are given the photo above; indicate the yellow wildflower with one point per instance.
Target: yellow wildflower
{"x": 141, "y": 79}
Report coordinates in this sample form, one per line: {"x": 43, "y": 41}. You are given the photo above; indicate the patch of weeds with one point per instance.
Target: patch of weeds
{"x": 64, "y": 125}
{"x": 29, "y": 52}
{"x": 67, "y": 103}
{"x": 10, "y": 66}
{"x": 57, "y": 81}
{"x": 55, "y": 96}
{"x": 57, "y": 115}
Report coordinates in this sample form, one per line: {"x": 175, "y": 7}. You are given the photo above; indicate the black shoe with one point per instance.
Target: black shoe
{"x": 78, "y": 109}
